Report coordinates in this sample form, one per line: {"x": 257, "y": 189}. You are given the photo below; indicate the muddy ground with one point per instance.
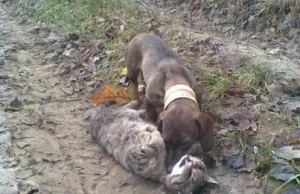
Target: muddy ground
{"x": 47, "y": 149}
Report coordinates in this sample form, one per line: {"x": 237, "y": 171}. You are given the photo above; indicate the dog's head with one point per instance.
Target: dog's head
{"x": 181, "y": 128}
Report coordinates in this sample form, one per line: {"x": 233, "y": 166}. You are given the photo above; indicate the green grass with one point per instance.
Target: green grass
{"x": 248, "y": 79}
{"x": 295, "y": 178}
{"x": 77, "y": 15}
{"x": 282, "y": 15}
{"x": 96, "y": 19}
{"x": 256, "y": 76}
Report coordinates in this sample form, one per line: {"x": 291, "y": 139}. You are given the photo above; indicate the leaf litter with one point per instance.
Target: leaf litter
{"x": 108, "y": 93}
{"x": 245, "y": 121}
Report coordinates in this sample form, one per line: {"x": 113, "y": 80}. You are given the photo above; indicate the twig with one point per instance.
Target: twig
{"x": 287, "y": 182}
{"x": 147, "y": 7}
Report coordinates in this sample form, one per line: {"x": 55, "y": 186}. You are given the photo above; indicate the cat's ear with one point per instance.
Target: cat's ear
{"x": 211, "y": 180}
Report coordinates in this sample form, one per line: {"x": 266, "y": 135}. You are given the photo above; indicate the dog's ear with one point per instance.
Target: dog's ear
{"x": 160, "y": 121}
{"x": 205, "y": 127}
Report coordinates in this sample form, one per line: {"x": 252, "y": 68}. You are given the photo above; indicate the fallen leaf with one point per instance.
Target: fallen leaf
{"x": 292, "y": 107}
{"x": 243, "y": 120}
{"x": 236, "y": 91}
{"x": 283, "y": 172}
{"x": 232, "y": 101}
{"x": 89, "y": 51}
{"x": 230, "y": 152}
{"x": 223, "y": 131}
{"x": 29, "y": 107}
{"x": 276, "y": 90}
{"x": 292, "y": 189}
{"x": 123, "y": 71}
{"x": 236, "y": 161}
{"x": 288, "y": 152}
{"x": 252, "y": 129}
{"x": 294, "y": 138}
{"x": 279, "y": 141}
{"x": 250, "y": 164}
{"x": 108, "y": 93}
{"x": 229, "y": 62}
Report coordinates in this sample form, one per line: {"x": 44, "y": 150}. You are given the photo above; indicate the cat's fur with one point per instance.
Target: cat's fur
{"x": 139, "y": 147}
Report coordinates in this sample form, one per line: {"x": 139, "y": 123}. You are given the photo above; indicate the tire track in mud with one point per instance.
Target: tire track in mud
{"x": 51, "y": 151}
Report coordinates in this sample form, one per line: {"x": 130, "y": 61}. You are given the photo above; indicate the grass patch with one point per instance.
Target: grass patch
{"x": 249, "y": 78}
{"x": 255, "y": 76}
{"x": 113, "y": 21}
{"x": 282, "y": 16}
{"x": 234, "y": 137}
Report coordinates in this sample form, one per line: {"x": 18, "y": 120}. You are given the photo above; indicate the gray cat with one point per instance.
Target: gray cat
{"x": 139, "y": 147}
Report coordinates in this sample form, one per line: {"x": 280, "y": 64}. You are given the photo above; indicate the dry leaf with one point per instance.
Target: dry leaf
{"x": 223, "y": 132}
{"x": 108, "y": 93}
{"x": 123, "y": 71}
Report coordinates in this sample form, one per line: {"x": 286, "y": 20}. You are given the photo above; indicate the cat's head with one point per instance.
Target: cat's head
{"x": 188, "y": 174}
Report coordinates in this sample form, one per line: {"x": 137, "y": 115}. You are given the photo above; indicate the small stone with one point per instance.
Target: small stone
{"x": 264, "y": 99}
{"x": 12, "y": 164}
{"x": 204, "y": 59}
{"x": 264, "y": 45}
{"x": 243, "y": 36}
{"x": 274, "y": 51}
{"x": 16, "y": 103}
{"x": 207, "y": 40}
{"x": 46, "y": 97}
{"x": 210, "y": 53}
{"x": 260, "y": 27}
{"x": 226, "y": 29}
{"x": 73, "y": 36}
{"x": 22, "y": 145}
{"x": 236, "y": 161}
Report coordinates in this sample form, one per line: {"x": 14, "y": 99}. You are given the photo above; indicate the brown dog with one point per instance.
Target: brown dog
{"x": 169, "y": 84}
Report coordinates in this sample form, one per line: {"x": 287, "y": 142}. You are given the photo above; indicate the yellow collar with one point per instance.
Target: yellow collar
{"x": 179, "y": 91}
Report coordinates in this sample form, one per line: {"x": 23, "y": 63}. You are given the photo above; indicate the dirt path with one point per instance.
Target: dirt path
{"x": 50, "y": 146}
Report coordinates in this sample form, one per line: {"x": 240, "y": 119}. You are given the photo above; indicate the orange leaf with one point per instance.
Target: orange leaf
{"x": 109, "y": 93}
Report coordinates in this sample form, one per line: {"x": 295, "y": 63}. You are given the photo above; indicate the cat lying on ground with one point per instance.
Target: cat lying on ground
{"x": 139, "y": 147}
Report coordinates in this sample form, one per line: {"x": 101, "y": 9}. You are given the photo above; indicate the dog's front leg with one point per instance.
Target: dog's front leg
{"x": 151, "y": 113}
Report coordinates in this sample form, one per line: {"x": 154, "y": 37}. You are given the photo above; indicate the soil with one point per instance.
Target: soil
{"x": 47, "y": 149}
{"x": 51, "y": 149}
